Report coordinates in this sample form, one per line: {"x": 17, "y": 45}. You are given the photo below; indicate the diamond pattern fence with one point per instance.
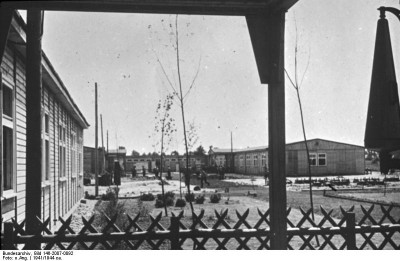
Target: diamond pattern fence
{"x": 224, "y": 232}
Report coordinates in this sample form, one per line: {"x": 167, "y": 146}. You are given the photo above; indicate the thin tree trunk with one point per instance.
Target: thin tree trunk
{"x": 308, "y": 153}
{"x": 161, "y": 163}
{"x": 182, "y": 108}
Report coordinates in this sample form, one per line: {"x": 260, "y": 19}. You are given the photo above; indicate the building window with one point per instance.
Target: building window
{"x": 47, "y": 159}
{"x": 7, "y": 101}
{"x": 79, "y": 162}
{"x": 313, "y": 159}
{"x": 321, "y": 159}
{"x": 61, "y": 153}
{"x": 73, "y": 153}
{"x": 46, "y": 123}
{"x": 263, "y": 159}
{"x": 7, "y": 146}
{"x": 7, "y": 158}
{"x": 318, "y": 159}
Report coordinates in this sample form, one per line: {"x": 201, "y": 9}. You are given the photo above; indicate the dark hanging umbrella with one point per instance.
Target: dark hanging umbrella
{"x": 382, "y": 131}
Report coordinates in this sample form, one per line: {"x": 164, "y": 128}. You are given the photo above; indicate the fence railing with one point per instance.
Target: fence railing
{"x": 197, "y": 232}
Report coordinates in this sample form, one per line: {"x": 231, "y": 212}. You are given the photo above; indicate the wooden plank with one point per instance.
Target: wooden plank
{"x": 21, "y": 187}
{"x": 1, "y": 133}
{"x": 276, "y": 125}
{"x": 33, "y": 124}
{"x": 200, "y": 7}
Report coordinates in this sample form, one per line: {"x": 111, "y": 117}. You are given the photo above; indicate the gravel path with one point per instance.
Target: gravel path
{"x": 85, "y": 210}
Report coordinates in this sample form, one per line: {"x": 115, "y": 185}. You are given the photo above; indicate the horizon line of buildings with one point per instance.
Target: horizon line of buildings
{"x": 326, "y": 158}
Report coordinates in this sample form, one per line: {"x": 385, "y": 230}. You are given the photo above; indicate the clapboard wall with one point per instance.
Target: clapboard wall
{"x": 331, "y": 158}
{"x": 62, "y": 139}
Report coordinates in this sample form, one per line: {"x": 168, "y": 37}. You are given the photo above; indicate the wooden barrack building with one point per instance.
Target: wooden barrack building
{"x": 62, "y": 125}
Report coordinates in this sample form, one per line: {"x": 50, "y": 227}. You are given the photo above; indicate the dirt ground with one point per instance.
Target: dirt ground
{"x": 236, "y": 202}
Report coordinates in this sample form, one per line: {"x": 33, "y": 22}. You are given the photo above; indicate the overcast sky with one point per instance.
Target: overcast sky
{"x": 118, "y": 51}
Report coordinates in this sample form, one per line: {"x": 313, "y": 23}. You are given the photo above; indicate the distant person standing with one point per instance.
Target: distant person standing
{"x": 203, "y": 178}
{"x": 144, "y": 171}
{"x": 134, "y": 172}
{"x": 186, "y": 173}
{"x": 266, "y": 174}
{"x": 156, "y": 172}
{"x": 169, "y": 173}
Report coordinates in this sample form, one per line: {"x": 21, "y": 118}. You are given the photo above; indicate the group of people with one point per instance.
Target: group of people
{"x": 221, "y": 172}
{"x": 156, "y": 172}
{"x": 201, "y": 173}
{"x": 134, "y": 172}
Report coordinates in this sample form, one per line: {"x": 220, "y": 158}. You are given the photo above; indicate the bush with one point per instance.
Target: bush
{"x": 159, "y": 197}
{"x": 159, "y": 203}
{"x": 215, "y": 198}
{"x": 200, "y": 199}
{"x": 168, "y": 202}
{"x": 180, "y": 203}
{"x": 170, "y": 194}
{"x": 147, "y": 197}
{"x": 111, "y": 194}
{"x": 189, "y": 197}
{"x": 88, "y": 196}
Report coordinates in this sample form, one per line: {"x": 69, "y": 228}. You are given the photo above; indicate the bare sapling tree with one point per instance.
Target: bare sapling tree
{"x": 296, "y": 85}
{"x": 181, "y": 93}
{"x": 165, "y": 126}
{"x": 192, "y": 139}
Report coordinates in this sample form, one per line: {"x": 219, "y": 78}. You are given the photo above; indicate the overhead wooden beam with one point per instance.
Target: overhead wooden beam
{"x": 5, "y": 23}
{"x": 200, "y": 7}
{"x": 263, "y": 35}
{"x": 33, "y": 122}
{"x": 267, "y": 35}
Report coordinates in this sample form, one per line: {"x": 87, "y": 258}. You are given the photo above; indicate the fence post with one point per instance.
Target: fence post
{"x": 175, "y": 233}
{"x": 350, "y": 230}
{"x": 8, "y": 236}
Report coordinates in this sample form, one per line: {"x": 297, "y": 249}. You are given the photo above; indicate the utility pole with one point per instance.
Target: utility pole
{"x": 96, "y": 156}
{"x": 232, "y": 163}
{"x": 108, "y": 161}
{"x": 102, "y": 144}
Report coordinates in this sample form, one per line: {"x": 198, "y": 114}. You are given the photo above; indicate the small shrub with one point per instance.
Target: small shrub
{"x": 169, "y": 201}
{"x": 88, "y": 196}
{"x": 111, "y": 194}
{"x": 147, "y": 197}
{"x": 215, "y": 198}
{"x": 159, "y": 203}
{"x": 180, "y": 203}
{"x": 143, "y": 209}
{"x": 200, "y": 199}
{"x": 189, "y": 197}
{"x": 170, "y": 194}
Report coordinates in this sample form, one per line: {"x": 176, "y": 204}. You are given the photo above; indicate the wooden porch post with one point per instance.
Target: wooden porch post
{"x": 267, "y": 35}
{"x": 33, "y": 121}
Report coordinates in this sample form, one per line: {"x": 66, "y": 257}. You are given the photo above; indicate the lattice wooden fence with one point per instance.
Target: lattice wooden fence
{"x": 180, "y": 232}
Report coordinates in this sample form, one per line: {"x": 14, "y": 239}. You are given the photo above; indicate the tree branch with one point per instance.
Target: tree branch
{"x": 194, "y": 79}
{"x": 290, "y": 79}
